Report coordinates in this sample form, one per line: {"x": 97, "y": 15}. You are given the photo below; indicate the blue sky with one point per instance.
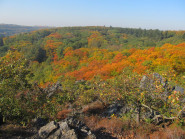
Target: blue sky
{"x": 149, "y": 14}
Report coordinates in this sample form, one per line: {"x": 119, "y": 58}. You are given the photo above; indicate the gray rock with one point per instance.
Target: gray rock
{"x": 63, "y": 126}
{"x": 48, "y": 129}
{"x": 80, "y": 81}
{"x": 51, "y": 90}
{"x": 67, "y": 129}
{"x": 181, "y": 93}
{"x": 59, "y": 134}
{"x": 118, "y": 109}
{"x": 56, "y": 135}
{"x": 179, "y": 89}
{"x": 70, "y": 134}
{"x": 114, "y": 108}
{"x": 149, "y": 84}
{"x": 64, "y": 132}
{"x": 80, "y": 128}
{"x": 39, "y": 122}
{"x": 160, "y": 79}
{"x": 146, "y": 83}
{"x": 164, "y": 95}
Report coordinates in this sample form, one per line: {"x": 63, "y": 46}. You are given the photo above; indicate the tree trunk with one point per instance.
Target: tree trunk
{"x": 138, "y": 112}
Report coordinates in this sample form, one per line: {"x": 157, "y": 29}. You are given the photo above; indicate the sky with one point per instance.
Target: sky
{"x": 145, "y": 14}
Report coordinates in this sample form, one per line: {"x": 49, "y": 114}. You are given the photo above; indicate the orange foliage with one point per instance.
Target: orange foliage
{"x": 51, "y": 44}
{"x": 54, "y": 35}
{"x": 86, "y": 63}
{"x": 118, "y": 58}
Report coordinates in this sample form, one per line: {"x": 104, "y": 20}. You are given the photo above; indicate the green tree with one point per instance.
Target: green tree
{"x": 13, "y": 85}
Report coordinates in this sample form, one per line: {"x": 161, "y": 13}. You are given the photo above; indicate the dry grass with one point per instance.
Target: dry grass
{"x": 114, "y": 126}
{"x": 63, "y": 114}
{"x": 127, "y": 129}
{"x": 94, "y": 107}
{"x": 169, "y": 133}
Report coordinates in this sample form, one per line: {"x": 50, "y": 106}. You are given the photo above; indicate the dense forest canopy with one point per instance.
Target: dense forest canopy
{"x": 85, "y": 52}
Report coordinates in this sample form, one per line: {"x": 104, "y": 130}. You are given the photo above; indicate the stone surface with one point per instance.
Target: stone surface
{"x": 51, "y": 90}
{"x": 70, "y": 134}
{"x": 118, "y": 109}
{"x": 149, "y": 84}
{"x": 48, "y": 129}
{"x": 70, "y": 128}
{"x": 160, "y": 79}
{"x": 114, "y": 108}
{"x": 80, "y": 128}
{"x": 179, "y": 89}
{"x": 146, "y": 83}
{"x": 56, "y": 135}
{"x": 39, "y": 122}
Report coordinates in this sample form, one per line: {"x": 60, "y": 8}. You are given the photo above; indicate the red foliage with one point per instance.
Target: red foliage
{"x": 63, "y": 114}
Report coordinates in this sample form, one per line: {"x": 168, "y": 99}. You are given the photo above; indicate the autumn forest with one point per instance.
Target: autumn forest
{"x": 96, "y": 63}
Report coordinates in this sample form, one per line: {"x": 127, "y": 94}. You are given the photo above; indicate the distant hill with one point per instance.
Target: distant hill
{"x": 11, "y": 29}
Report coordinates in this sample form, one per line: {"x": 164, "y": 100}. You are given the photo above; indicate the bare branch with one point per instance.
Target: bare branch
{"x": 151, "y": 110}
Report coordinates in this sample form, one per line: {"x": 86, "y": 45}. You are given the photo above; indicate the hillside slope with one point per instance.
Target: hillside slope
{"x": 11, "y": 29}
{"x": 124, "y": 83}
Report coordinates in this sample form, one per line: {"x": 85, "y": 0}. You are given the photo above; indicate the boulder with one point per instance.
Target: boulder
{"x": 179, "y": 89}
{"x": 50, "y": 90}
{"x": 48, "y": 129}
{"x": 113, "y": 109}
{"x": 160, "y": 79}
{"x": 146, "y": 83}
{"x": 118, "y": 109}
{"x": 70, "y": 134}
{"x": 81, "y": 129}
{"x": 39, "y": 122}
{"x": 149, "y": 84}
{"x": 70, "y": 128}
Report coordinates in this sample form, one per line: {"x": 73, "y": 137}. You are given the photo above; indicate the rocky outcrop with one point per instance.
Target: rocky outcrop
{"x": 48, "y": 129}
{"x": 39, "y": 122}
{"x": 72, "y": 128}
{"x": 80, "y": 128}
{"x": 118, "y": 109}
{"x": 50, "y": 90}
{"x": 149, "y": 84}
{"x": 69, "y": 128}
